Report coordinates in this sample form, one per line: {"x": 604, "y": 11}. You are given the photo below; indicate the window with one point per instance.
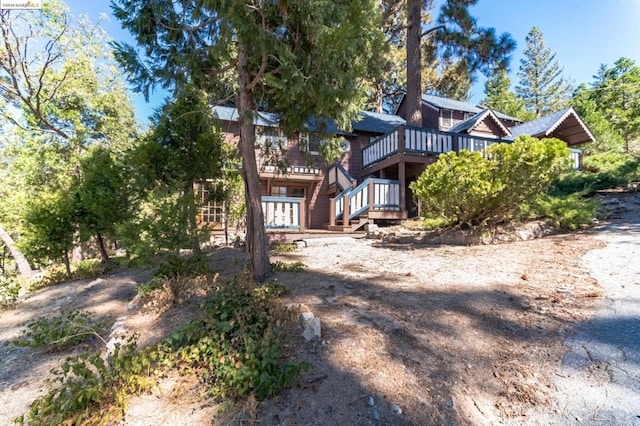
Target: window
{"x": 298, "y": 192}
{"x": 210, "y": 211}
{"x": 311, "y": 143}
{"x": 270, "y": 138}
{"x": 288, "y": 191}
{"x": 278, "y": 191}
{"x": 446, "y": 118}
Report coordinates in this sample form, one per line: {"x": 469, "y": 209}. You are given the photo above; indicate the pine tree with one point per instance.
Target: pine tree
{"x": 297, "y": 59}
{"x": 541, "y": 86}
{"x": 501, "y": 98}
{"x": 458, "y": 43}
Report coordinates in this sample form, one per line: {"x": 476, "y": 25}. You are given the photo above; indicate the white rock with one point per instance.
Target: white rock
{"x": 304, "y": 317}
{"x": 312, "y": 329}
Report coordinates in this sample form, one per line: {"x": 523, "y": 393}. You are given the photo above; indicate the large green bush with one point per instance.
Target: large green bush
{"x": 600, "y": 171}
{"x": 470, "y": 190}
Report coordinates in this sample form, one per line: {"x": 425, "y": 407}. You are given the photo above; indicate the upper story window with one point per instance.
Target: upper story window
{"x": 311, "y": 143}
{"x": 210, "y": 210}
{"x": 446, "y": 118}
{"x": 270, "y": 138}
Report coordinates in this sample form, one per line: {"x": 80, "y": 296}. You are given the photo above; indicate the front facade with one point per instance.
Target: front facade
{"x": 382, "y": 155}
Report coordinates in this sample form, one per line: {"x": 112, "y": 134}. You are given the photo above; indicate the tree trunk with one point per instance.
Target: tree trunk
{"x": 67, "y": 265}
{"x": 103, "y": 250}
{"x": 192, "y": 218}
{"x": 414, "y": 78}
{"x": 24, "y": 269}
{"x": 256, "y": 240}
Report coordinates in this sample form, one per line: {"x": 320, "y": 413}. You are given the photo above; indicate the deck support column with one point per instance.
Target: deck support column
{"x": 345, "y": 212}
{"x": 303, "y": 214}
{"x": 332, "y": 211}
{"x": 403, "y": 190}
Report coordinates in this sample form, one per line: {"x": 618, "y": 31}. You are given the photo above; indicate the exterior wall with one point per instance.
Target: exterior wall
{"x": 488, "y": 129}
{"x": 430, "y": 118}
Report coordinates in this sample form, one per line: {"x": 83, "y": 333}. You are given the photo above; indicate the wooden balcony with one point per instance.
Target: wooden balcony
{"x": 284, "y": 213}
{"x": 418, "y": 145}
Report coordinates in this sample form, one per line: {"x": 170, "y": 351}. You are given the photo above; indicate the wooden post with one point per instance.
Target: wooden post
{"x": 401, "y": 140}
{"x": 371, "y": 194}
{"x": 332, "y": 212}
{"x": 455, "y": 145}
{"x": 345, "y": 211}
{"x": 302, "y": 214}
{"x": 403, "y": 190}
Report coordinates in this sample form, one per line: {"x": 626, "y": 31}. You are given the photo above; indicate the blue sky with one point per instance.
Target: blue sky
{"x": 584, "y": 33}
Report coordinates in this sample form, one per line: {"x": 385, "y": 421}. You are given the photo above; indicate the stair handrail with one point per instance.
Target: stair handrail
{"x": 343, "y": 179}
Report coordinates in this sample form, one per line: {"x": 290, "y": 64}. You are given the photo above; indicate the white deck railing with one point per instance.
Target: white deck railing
{"x": 380, "y": 148}
{"x": 386, "y": 194}
{"x": 427, "y": 141}
{"x": 576, "y": 158}
{"x": 338, "y": 175}
{"x": 477, "y": 143}
{"x": 283, "y": 212}
{"x": 372, "y": 194}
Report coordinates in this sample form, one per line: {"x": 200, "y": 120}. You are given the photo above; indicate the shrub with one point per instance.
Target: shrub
{"x": 466, "y": 189}
{"x": 53, "y": 275}
{"x": 89, "y": 390}
{"x": 287, "y": 267}
{"x": 58, "y": 333}
{"x": 565, "y": 212}
{"x": 180, "y": 276}
{"x": 600, "y": 171}
{"x": 9, "y": 290}
{"x": 237, "y": 345}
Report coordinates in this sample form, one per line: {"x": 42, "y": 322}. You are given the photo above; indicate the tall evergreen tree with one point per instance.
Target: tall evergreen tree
{"x": 541, "y": 85}
{"x": 499, "y": 97}
{"x": 458, "y": 42}
{"x": 296, "y": 58}
{"x": 616, "y": 93}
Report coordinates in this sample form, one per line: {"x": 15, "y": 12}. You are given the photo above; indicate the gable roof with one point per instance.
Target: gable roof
{"x": 439, "y": 102}
{"x": 268, "y": 119}
{"x": 376, "y": 122}
{"x": 469, "y": 124}
{"x": 368, "y": 121}
{"x": 564, "y": 124}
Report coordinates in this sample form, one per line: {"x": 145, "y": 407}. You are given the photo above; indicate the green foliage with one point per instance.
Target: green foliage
{"x": 180, "y": 276}
{"x": 569, "y": 212}
{"x": 285, "y": 248}
{"x": 237, "y": 344}
{"x": 279, "y": 266}
{"x": 541, "y": 85}
{"x": 9, "y": 290}
{"x": 49, "y": 226}
{"x": 101, "y": 196}
{"x": 615, "y": 94}
{"x": 58, "y": 333}
{"x": 600, "y": 171}
{"x": 466, "y": 189}
{"x": 55, "y": 274}
{"x": 501, "y": 98}
{"x": 89, "y": 390}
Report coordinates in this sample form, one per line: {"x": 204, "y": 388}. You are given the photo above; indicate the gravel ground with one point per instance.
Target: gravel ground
{"x": 599, "y": 380}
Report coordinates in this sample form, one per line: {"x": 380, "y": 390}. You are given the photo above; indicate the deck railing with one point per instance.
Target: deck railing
{"x": 283, "y": 212}
{"x": 337, "y": 175}
{"x": 576, "y": 158}
{"x": 427, "y": 141}
{"x": 303, "y": 170}
{"x": 418, "y": 140}
{"x": 477, "y": 144}
{"x": 379, "y": 149}
{"x": 372, "y": 194}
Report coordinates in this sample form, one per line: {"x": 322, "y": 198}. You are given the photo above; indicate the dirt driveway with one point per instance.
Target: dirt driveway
{"x": 410, "y": 334}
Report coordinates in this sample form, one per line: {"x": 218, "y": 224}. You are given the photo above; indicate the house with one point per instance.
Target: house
{"x": 382, "y": 156}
